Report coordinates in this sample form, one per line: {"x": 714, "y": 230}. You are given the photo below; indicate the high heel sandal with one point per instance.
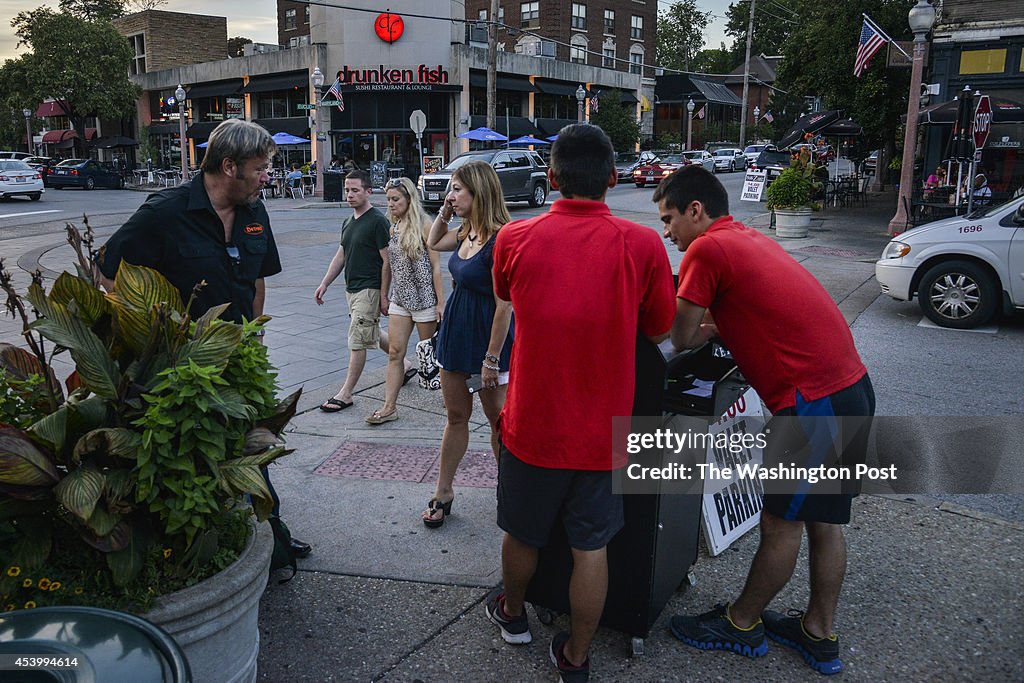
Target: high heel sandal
{"x": 433, "y": 507}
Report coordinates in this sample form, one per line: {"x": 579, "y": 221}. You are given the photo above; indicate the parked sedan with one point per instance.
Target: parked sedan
{"x": 702, "y": 157}
{"x": 86, "y": 173}
{"x": 41, "y": 164}
{"x": 963, "y": 270}
{"x": 751, "y": 152}
{"x": 730, "y": 160}
{"x": 627, "y": 162}
{"x": 19, "y": 179}
{"x": 652, "y": 173}
{"x": 523, "y": 175}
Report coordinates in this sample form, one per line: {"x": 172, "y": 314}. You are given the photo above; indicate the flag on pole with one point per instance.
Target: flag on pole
{"x": 768, "y": 117}
{"x": 593, "y": 102}
{"x": 871, "y": 41}
{"x": 335, "y": 90}
{"x": 700, "y": 114}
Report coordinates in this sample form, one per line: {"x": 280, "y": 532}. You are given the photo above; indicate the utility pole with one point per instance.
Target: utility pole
{"x": 492, "y": 65}
{"x": 746, "y": 78}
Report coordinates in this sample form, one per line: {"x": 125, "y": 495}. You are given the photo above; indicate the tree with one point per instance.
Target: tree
{"x": 143, "y": 5}
{"x": 93, "y": 10}
{"x": 618, "y": 122}
{"x": 681, "y": 34}
{"x": 773, "y": 22}
{"x": 236, "y": 46}
{"x": 81, "y": 64}
{"x": 714, "y": 61}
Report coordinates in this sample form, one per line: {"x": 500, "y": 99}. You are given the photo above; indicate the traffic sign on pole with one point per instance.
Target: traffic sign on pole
{"x": 982, "y": 121}
{"x": 305, "y": 106}
{"x": 418, "y": 122}
{"x": 330, "y": 103}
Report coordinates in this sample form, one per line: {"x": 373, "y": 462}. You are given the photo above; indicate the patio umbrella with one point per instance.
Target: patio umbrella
{"x": 553, "y": 137}
{"x": 114, "y": 141}
{"x": 527, "y": 140}
{"x": 1003, "y": 111}
{"x": 811, "y": 123}
{"x": 845, "y": 128}
{"x": 288, "y": 139}
{"x": 482, "y": 133}
{"x": 203, "y": 144}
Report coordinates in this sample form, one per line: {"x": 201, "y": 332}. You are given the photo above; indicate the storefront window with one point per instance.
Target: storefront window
{"x": 554, "y": 106}
{"x": 983, "y": 61}
{"x": 511, "y": 102}
{"x": 280, "y": 103}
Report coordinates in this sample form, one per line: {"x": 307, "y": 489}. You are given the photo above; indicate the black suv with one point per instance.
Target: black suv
{"x": 773, "y": 161}
{"x": 523, "y": 175}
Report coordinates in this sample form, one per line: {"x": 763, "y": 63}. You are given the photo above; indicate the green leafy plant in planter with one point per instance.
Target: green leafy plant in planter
{"x": 796, "y": 187}
{"x": 134, "y": 482}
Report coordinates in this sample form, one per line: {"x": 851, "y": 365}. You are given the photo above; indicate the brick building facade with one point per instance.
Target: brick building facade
{"x": 292, "y": 23}
{"x": 163, "y": 40}
{"x": 617, "y": 34}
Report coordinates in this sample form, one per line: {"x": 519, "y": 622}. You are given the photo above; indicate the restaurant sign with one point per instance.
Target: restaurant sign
{"x": 383, "y": 78}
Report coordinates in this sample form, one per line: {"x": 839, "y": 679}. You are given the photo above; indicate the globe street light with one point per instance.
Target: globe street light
{"x": 321, "y": 131}
{"x": 179, "y": 95}
{"x": 581, "y": 94}
{"x": 690, "y": 106}
{"x": 757, "y": 117}
{"x": 921, "y": 20}
{"x": 28, "y": 129}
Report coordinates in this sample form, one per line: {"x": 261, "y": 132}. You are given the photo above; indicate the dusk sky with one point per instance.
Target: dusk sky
{"x": 257, "y": 19}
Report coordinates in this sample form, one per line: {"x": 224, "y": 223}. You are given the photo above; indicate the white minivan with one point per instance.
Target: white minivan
{"x": 963, "y": 269}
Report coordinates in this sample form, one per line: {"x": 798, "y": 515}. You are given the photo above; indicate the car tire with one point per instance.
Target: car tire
{"x": 35, "y": 196}
{"x": 539, "y": 195}
{"x": 90, "y": 184}
{"x": 958, "y": 294}
{"x": 640, "y": 186}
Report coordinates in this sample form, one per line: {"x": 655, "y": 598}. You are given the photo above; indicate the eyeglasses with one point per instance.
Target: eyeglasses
{"x": 395, "y": 184}
{"x": 234, "y": 254}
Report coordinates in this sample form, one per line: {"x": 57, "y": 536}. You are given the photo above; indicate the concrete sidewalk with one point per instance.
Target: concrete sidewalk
{"x": 931, "y": 592}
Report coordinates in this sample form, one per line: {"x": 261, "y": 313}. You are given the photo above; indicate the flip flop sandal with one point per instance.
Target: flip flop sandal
{"x": 378, "y": 419}
{"x": 433, "y": 507}
{"x": 409, "y": 374}
{"x": 333, "y": 405}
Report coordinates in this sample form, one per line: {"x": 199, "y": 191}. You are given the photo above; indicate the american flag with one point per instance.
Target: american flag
{"x": 768, "y": 117}
{"x": 700, "y": 114}
{"x": 593, "y": 102}
{"x": 336, "y": 91}
{"x": 871, "y": 41}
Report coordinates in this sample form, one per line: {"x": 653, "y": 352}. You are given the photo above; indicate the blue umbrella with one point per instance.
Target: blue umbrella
{"x": 528, "y": 140}
{"x": 553, "y": 137}
{"x": 288, "y": 139}
{"x": 482, "y": 133}
{"x": 203, "y": 144}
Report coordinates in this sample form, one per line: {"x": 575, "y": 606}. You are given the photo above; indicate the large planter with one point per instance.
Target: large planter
{"x": 215, "y": 621}
{"x": 792, "y": 222}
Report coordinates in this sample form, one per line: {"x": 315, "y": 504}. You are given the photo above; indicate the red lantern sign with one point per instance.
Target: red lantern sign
{"x": 389, "y": 27}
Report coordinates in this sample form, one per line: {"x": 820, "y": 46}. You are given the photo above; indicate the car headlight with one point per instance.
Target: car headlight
{"x": 896, "y": 249}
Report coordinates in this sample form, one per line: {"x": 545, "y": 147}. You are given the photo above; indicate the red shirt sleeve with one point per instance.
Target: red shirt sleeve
{"x": 499, "y": 275}
{"x": 658, "y": 305}
{"x": 703, "y": 271}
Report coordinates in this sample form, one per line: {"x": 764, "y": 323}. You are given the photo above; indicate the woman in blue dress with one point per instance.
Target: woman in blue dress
{"x": 472, "y": 318}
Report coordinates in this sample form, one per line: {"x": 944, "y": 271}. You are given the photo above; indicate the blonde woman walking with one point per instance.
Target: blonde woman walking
{"x": 472, "y": 319}
{"x": 411, "y": 288}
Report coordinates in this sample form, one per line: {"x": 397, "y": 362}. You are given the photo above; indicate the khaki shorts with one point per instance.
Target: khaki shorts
{"x": 364, "y": 328}
{"x": 426, "y": 315}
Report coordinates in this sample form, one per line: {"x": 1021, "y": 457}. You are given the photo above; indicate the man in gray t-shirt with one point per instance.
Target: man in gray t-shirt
{"x": 362, "y": 254}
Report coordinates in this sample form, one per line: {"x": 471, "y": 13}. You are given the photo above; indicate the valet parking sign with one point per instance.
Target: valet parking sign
{"x": 753, "y": 186}
{"x": 733, "y": 507}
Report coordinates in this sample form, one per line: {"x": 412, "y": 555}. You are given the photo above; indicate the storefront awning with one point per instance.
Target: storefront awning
{"x": 293, "y": 125}
{"x": 625, "y": 96}
{"x": 552, "y": 126}
{"x": 288, "y": 81}
{"x": 201, "y": 129}
{"x": 232, "y": 86}
{"x": 512, "y": 83}
{"x": 51, "y": 108}
{"x": 164, "y": 128}
{"x": 716, "y": 92}
{"x": 511, "y": 126}
{"x": 557, "y": 88}
{"x": 53, "y": 137}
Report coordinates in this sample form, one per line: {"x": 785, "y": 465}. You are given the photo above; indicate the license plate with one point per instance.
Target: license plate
{"x": 433, "y": 196}
{"x": 19, "y": 180}
{"x": 650, "y": 177}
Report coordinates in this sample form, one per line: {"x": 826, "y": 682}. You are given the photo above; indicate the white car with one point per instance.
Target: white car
{"x": 751, "y": 152}
{"x": 729, "y": 160}
{"x": 18, "y": 178}
{"x": 963, "y": 269}
{"x": 702, "y": 157}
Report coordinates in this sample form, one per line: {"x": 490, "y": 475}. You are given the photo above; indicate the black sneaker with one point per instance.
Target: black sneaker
{"x": 821, "y": 653}
{"x": 514, "y": 630}
{"x": 567, "y": 673}
{"x": 714, "y": 630}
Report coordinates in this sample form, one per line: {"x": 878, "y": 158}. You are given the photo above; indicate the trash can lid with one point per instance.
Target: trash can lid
{"x": 102, "y": 645}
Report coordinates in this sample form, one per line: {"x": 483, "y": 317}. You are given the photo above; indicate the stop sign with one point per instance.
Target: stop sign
{"x": 982, "y": 121}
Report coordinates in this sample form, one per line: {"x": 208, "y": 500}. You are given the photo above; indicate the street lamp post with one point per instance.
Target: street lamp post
{"x": 321, "y": 158}
{"x": 757, "y": 117}
{"x": 28, "y": 129}
{"x": 921, "y": 19}
{"x": 690, "y": 106}
{"x": 179, "y": 94}
{"x": 581, "y": 94}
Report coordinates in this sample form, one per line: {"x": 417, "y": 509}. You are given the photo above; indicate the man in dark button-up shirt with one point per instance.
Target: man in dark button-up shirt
{"x": 213, "y": 228}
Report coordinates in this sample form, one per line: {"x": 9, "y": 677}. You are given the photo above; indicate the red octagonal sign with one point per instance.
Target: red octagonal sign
{"x": 982, "y": 121}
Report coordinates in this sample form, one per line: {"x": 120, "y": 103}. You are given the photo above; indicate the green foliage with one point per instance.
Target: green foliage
{"x": 773, "y": 22}
{"x": 714, "y": 61}
{"x": 236, "y": 46}
{"x": 162, "y": 434}
{"x": 796, "y": 186}
{"x": 617, "y": 121}
{"x": 681, "y": 34}
{"x": 93, "y": 10}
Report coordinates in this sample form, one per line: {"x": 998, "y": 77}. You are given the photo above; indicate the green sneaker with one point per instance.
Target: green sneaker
{"x": 714, "y": 630}
{"x": 822, "y": 654}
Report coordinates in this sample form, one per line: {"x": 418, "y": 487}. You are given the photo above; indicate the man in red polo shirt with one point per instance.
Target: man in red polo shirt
{"x": 794, "y": 347}
{"x": 582, "y": 283}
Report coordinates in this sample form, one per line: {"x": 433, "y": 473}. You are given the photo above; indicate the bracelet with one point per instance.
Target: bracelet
{"x": 491, "y": 357}
{"x": 491, "y": 367}
{"x": 441, "y": 216}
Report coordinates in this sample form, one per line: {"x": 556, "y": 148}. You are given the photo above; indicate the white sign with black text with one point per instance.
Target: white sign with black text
{"x": 753, "y": 186}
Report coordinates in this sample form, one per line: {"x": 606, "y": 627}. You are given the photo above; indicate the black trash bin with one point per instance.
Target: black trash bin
{"x": 103, "y": 644}
{"x": 334, "y": 186}
{"x": 649, "y": 560}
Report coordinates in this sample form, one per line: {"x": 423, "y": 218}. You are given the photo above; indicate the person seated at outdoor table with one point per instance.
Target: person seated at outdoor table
{"x": 294, "y": 177}
{"x": 936, "y": 179}
{"x": 982, "y": 192}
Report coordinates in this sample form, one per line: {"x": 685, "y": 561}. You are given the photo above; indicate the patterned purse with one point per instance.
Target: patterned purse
{"x": 429, "y": 370}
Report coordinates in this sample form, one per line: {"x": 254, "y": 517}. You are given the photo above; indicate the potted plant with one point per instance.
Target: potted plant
{"x": 791, "y": 197}
{"x": 126, "y": 487}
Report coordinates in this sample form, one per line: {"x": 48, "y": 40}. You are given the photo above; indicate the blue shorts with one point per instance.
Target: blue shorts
{"x": 819, "y": 424}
